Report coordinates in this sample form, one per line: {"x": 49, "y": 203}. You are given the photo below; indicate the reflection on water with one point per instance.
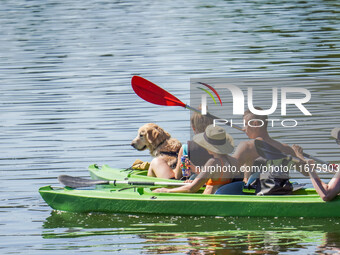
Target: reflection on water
{"x": 196, "y": 235}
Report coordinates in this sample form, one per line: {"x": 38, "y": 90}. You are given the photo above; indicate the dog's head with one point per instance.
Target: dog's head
{"x": 150, "y": 136}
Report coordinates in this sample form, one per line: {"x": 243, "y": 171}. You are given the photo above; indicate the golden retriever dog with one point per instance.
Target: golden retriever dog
{"x": 158, "y": 142}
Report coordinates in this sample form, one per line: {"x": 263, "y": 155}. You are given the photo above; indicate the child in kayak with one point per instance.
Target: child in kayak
{"x": 218, "y": 170}
{"x": 197, "y": 155}
{"x": 326, "y": 191}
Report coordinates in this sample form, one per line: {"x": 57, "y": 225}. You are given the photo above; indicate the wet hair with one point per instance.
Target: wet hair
{"x": 199, "y": 122}
{"x": 255, "y": 116}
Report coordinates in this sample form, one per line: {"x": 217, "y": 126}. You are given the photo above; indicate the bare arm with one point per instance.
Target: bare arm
{"x": 178, "y": 169}
{"x": 298, "y": 152}
{"x": 326, "y": 191}
{"x": 245, "y": 154}
{"x": 193, "y": 187}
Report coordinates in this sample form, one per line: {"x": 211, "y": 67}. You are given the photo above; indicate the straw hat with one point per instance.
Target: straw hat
{"x": 215, "y": 139}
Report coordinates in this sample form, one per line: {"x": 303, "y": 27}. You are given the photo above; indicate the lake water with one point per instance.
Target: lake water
{"x": 66, "y": 102}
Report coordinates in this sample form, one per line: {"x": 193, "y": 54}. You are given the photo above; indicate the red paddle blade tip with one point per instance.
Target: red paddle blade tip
{"x": 151, "y": 93}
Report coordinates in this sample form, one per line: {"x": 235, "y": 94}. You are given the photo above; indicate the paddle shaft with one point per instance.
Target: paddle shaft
{"x": 78, "y": 182}
{"x": 142, "y": 183}
{"x": 297, "y": 160}
{"x": 315, "y": 158}
{"x": 267, "y": 151}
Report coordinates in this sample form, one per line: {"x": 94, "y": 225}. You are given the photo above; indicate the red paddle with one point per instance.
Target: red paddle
{"x": 151, "y": 93}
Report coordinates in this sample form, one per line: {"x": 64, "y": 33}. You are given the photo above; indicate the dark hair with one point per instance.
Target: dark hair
{"x": 255, "y": 116}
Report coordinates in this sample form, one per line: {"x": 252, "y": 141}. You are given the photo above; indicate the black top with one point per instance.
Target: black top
{"x": 197, "y": 154}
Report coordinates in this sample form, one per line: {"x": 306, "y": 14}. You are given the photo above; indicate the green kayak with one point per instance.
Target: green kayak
{"x": 303, "y": 203}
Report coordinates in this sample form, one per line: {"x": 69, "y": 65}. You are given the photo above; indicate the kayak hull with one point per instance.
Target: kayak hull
{"x": 305, "y": 203}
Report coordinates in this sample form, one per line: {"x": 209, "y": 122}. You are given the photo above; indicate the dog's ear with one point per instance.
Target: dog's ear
{"x": 157, "y": 135}
{"x": 152, "y": 135}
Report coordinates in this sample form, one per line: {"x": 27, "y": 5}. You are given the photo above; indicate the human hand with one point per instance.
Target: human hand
{"x": 188, "y": 181}
{"x": 298, "y": 150}
{"x": 161, "y": 190}
{"x": 307, "y": 167}
{"x": 310, "y": 161}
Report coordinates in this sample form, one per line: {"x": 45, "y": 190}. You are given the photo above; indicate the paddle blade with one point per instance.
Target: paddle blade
{"x": 151, "y": 93}
{"x": 267, "y": 151}
{"x": 77, "y": 182}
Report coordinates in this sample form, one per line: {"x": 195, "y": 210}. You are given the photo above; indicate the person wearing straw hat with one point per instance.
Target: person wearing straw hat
{"x": 219, "y": 169}
{"x": 326, "y": 191}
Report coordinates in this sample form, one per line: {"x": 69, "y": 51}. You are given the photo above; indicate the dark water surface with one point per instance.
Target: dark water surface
{"x": 66, "y": 102}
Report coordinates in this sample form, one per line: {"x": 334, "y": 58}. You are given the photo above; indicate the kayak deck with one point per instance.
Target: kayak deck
{"x": 108, "y": 173}
{"x": 304, "y": 203}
